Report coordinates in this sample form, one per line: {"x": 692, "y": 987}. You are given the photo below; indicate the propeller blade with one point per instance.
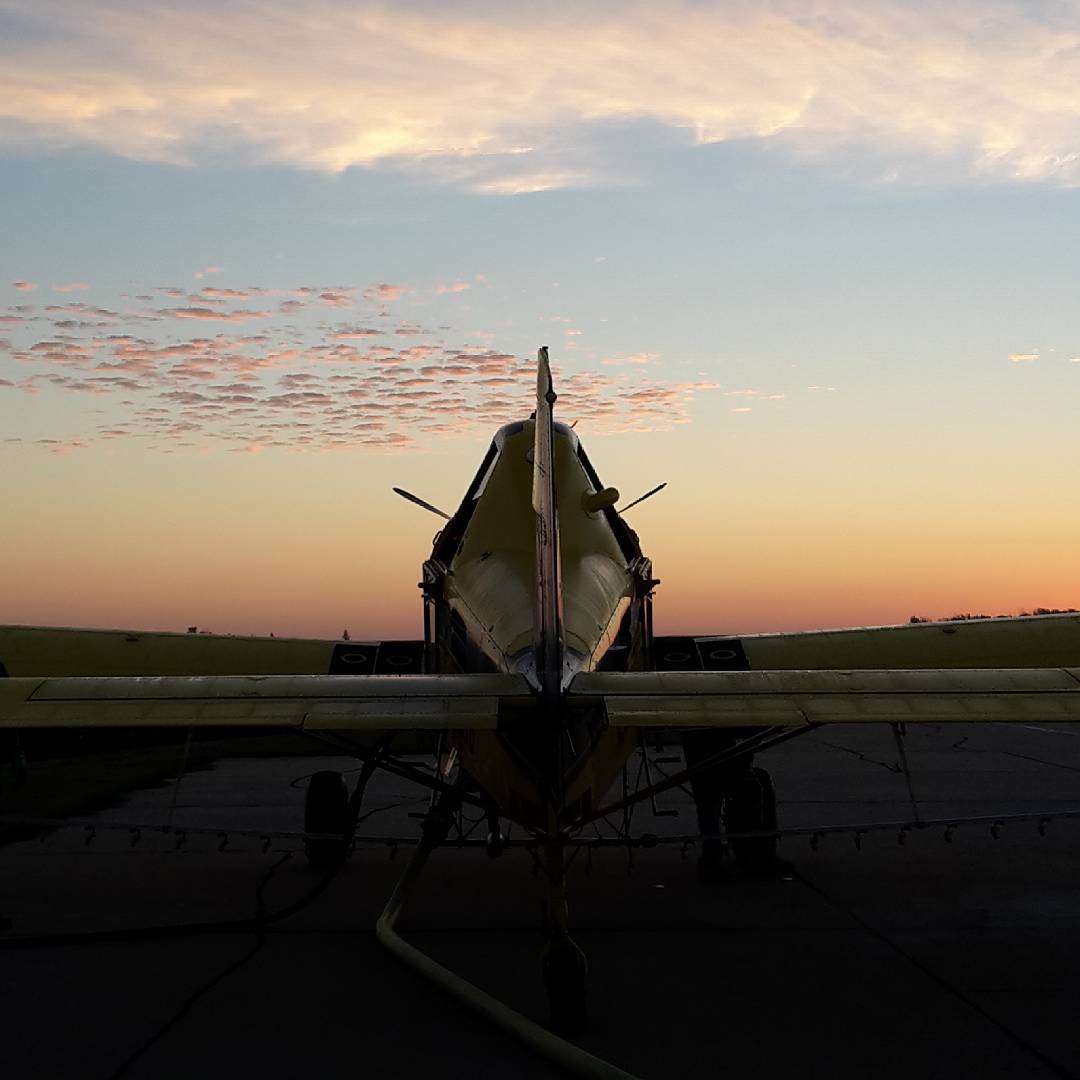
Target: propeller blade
{"x": 420, "y": 502}
{"x": 659, "y": 487}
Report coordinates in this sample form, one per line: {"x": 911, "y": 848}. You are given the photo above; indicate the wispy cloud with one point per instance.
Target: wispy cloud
{"x": 211, "y": 292}
{"x": 384, "y": 292}
{"x": 24, "y": 286}
{"x": 1023, "y": 357}
{"x": 354, "y": 333}
{"x": 340, "y": 297}
{"x": 240, "y": 315}
{"x": 628, "y": 359}
{"x": 76, "y": 307}
{"x": 505, "y": 105}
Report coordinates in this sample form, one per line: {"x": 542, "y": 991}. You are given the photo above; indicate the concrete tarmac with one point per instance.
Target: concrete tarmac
{"x": 926, "y": 958}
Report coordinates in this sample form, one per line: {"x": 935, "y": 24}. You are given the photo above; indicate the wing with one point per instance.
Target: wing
{"x": 673, "y": 699}
{"x": 1034, "y": 641}
{"x": 311, "y": 702}
{"x": 46, "y": 651}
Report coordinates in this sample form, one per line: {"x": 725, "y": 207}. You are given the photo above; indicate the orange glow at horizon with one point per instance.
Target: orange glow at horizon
{"x": 301, "y": 545}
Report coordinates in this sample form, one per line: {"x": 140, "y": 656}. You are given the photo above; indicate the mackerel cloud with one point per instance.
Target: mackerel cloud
{"x": 511, "y": 99}
{"x": 182, "y": 378}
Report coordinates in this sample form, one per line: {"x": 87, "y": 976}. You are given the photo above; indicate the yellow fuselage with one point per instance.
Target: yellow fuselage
{"x": 489, "y": 585}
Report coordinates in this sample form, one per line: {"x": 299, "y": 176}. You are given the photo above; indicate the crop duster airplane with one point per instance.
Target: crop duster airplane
{"x": 541, "y": 674}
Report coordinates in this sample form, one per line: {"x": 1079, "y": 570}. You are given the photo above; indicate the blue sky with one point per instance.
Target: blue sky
{"x": 818, "y": 261}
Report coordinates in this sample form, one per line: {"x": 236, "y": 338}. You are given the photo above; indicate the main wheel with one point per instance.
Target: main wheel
{"x": 565, "y": 975}
{"x": 326, "y": 818}
{"x": 750, "y": 806}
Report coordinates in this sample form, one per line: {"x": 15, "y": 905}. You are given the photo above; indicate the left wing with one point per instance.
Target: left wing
{"x": 673, "y": 699}
{"x": 51, "y": 650}
{"x": 313, "y": 703}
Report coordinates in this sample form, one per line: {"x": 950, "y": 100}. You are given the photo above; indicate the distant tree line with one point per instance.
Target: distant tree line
{"x": 964, "y": 616}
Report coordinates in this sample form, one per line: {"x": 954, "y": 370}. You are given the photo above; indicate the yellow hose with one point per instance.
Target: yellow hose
{"x": 572, "y": 1058}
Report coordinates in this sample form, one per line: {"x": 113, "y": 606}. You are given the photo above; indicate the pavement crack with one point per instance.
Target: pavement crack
{"x": 185, "y": 1008}
{"x": 1059, "y": 1070}
{"x": 893, "y": 768}
{"x": 1041, "y": 761}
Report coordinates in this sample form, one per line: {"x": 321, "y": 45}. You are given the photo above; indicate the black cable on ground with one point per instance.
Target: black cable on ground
{"x": 230, "y": 926}
{"x": 261, "y": 919}
{"x": 259, "y": 922}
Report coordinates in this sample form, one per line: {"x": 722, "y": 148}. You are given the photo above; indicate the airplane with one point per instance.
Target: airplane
{"x": 540, "y": 674}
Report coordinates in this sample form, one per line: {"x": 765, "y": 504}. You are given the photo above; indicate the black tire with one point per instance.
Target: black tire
{"x": 565, "y": 977}
{"x": 750, "y": 806}
{"x": 326, "y": 811}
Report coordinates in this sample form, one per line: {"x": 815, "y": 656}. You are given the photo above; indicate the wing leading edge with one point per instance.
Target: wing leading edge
{"x": 313, "y": 703}
{"x": 629, "y": 699}
{"x": 674, "y": 699}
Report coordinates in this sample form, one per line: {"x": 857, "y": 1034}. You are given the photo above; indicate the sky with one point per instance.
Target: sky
{"x": 815, "y": 265}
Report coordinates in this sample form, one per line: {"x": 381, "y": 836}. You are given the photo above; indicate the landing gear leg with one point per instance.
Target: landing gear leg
{"x": 326, "y": 816}
{"x": 495, "y": 838}
{"x": 750, "y": 806}
{"x": 330, "y": 813}
{"x": 564, "y": 965}
{"x": 708, "y": 789}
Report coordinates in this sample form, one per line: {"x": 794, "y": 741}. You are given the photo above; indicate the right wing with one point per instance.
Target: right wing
{"x": 692, "y": 699}
{"x": 1031, "y": 641}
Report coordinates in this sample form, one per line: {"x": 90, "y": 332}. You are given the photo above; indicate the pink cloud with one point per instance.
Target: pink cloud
{"x": 418, "y": 352}
{"x": 24, "y": 286}
{"x": 337, "y": 297}
{"x": 208, "y": 270}
{"x": 447, "y": 369}
{"x": 380, "y": 353}
{"x": 335, "y": 391}
{"x": 230, "y": 294}
{"x": 75, "y": 307}
{"x": 631, "y": 358}
{"x": 72, "y": 286}
{"x": 354, "y": 333}
{"x": 62, "y": 446}
{"x": 58, "y": 352}
{"x": 455, "y": 287}
{"x": 209, "y": 313}
{"x": 384, "y": 292}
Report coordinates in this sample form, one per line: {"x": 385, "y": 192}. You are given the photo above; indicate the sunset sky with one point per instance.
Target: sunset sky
{"x": 817, "y": 266}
